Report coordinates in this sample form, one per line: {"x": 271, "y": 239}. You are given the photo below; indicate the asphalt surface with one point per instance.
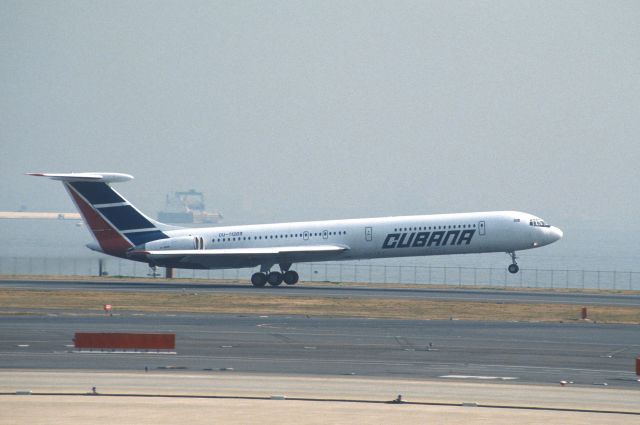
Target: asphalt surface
{"x": 584, "y": 353}
{"x": 311, "y": 289}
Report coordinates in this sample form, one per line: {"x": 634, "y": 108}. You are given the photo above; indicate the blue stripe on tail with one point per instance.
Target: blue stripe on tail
{"x": 125, "y": 217}
{"x": 97, "y": 193}
{"x": 138, "y": 238}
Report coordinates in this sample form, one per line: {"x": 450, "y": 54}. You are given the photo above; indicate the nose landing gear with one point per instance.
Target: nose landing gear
{"x": 513, "y": 267}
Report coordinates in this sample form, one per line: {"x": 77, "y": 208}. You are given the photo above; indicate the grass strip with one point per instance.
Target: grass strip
{"x": 19, "y": 301}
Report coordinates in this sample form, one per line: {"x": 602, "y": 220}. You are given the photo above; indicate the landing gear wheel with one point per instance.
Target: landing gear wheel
{"x": 513, "y": 267}
{"x": 259, "y": 280}
{"x": 291, "y": 277}
{"x": 274, "y": 278}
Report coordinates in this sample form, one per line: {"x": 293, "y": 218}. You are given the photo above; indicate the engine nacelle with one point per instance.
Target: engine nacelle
{"x": 180, "y": 242}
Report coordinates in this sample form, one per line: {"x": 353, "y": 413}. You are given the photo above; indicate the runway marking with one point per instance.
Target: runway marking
{"x": 610, "y": 354}
{"x": 265, "y": 325}
{"x": 122, "y": 352}
{"x": 502, "y": 378}
{"x": 23, "y": 345}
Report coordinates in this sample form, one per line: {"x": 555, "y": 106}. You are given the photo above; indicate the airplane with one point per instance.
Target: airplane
{"x": 121, "y": 230}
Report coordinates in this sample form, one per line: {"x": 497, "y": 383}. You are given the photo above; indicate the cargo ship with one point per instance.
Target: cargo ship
{"x": 187, "y": 208}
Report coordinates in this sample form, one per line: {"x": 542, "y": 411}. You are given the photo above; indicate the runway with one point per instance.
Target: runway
{"x": 585, "y": 354}
{"x": 314, "y": 289}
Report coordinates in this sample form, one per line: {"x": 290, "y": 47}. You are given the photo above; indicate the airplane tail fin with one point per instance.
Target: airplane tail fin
{"x": 115, "y": 223}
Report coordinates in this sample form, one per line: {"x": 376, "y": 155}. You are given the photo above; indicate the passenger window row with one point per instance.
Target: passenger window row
{"x": 280, "y": 236}
{"x": 450, "y": 226}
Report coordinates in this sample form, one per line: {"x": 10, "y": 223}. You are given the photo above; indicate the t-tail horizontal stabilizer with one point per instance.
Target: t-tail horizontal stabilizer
{"x": 87, "y": 177}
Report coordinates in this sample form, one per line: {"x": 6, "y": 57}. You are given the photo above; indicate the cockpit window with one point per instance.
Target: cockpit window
{"x": 538, "y": 222}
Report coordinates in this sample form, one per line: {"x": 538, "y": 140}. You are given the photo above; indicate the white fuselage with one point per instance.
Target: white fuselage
{"x": 420, "y": 235}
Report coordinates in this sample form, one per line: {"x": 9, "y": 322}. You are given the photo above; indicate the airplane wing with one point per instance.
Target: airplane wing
{"x": 247, "y": 256}
{"x": 243, "y": 251}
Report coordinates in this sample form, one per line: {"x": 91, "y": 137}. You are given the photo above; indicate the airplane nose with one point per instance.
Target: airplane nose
{"x": 555, "y": 233}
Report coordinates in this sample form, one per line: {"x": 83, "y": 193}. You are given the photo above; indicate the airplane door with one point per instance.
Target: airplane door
{"x": 481, "y": 228}
{"x": 198, "y": 242}
{"x": 305, "y": 236}
{"x": 325, "y": 234}
{"x": 368, "y": 234}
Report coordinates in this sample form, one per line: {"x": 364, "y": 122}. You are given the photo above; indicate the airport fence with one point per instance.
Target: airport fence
{"x": 341, "y": 272}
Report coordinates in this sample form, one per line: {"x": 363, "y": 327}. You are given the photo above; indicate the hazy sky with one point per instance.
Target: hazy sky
{"x": 302, "y": 110}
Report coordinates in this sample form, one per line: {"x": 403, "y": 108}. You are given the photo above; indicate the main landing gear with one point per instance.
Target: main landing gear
{"x": 513, "y": 267}
{"x": 260, "y": 279}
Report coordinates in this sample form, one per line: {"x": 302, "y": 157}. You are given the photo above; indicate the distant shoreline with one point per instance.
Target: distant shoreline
{"x": 24, "y": 215}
